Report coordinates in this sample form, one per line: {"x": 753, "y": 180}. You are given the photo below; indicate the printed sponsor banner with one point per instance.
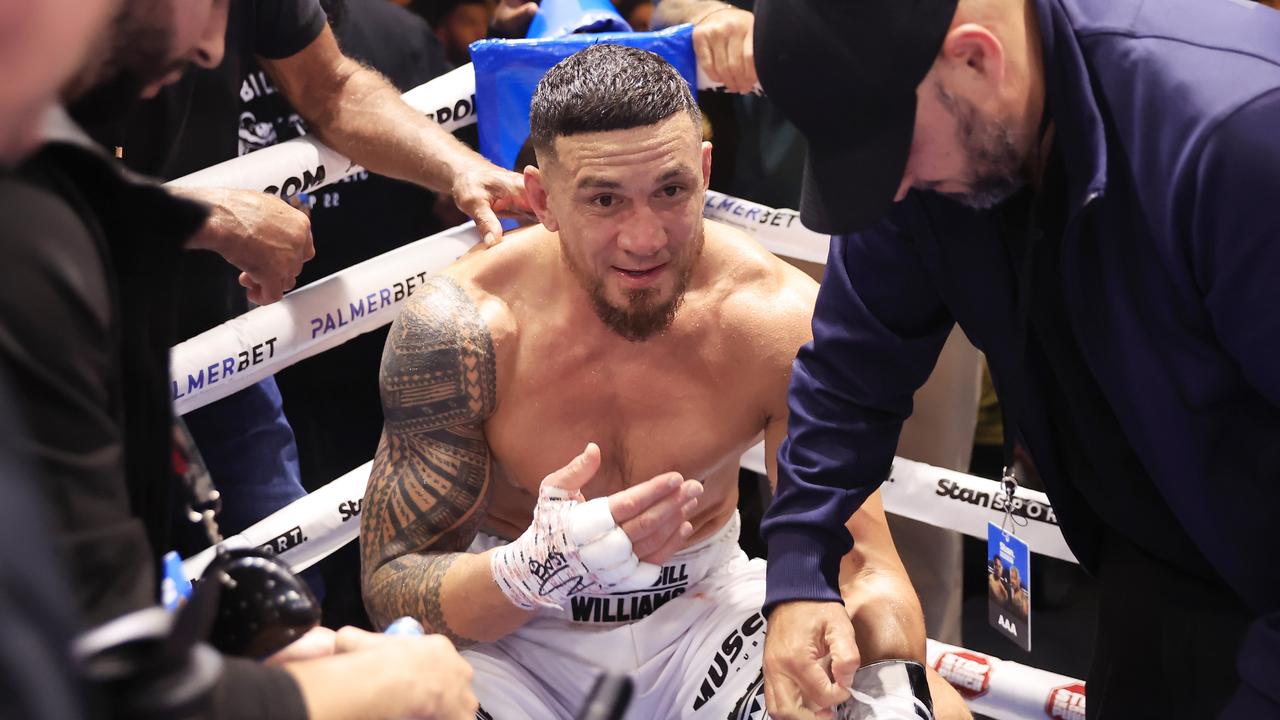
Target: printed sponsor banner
{"x": 308, "y": 321}
{"x": 304, "y": 532}
{"x": 1006, "y": 690}
{"x": 953, "y": 500}
{"x": 305, "y": 163}
{"x": 1066, "y": 702}
{"x": 364, "y": 297}
{"x": 777, "y": 229}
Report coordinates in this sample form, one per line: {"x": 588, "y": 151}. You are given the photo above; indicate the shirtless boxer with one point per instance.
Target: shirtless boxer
{"x": 660, "y": 341}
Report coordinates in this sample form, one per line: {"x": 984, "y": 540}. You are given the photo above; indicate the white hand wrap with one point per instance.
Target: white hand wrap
{"x": 572, "y": 547}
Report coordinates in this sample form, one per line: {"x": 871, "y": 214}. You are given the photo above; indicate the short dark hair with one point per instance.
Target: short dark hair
{"x": 607, "y": 87}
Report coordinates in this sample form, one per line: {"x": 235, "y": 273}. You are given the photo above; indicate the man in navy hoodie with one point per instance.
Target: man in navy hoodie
{"x": 1089, "y": 188}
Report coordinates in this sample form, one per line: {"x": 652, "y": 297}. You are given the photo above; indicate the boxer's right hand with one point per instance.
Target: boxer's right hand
{"x": 809, "y": 659}
{"x": 654, "y": 514}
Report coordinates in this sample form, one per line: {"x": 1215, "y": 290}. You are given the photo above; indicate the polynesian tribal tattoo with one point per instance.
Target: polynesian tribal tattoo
{"x": 429, "y": 487}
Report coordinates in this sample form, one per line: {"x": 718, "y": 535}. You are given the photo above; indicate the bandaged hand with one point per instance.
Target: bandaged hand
{"x": 575, "y": 546}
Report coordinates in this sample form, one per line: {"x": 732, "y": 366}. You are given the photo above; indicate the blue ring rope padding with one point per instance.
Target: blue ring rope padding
{"x": 507, "y": 71}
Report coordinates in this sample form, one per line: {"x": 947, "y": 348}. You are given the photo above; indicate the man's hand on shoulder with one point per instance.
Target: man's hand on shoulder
{"x": 260, "y": 234}
{"x": 485, "y": 192}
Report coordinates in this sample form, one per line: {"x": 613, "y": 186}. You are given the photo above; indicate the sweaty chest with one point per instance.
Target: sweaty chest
{"x": 649, "y": 415}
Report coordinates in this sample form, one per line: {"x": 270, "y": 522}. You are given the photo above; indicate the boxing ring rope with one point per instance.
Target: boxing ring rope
{"x": 305, "y": 163}
{"x": 1007, "y": 690}
{"x": 366, "y": 296}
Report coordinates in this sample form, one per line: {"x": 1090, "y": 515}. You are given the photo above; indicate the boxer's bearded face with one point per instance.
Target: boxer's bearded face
{"x": 628, "y": 207}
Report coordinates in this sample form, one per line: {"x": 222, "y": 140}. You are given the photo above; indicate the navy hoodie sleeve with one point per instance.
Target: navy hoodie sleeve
{"x": 1235, "y": 231}
{"x": 878, "y": 328}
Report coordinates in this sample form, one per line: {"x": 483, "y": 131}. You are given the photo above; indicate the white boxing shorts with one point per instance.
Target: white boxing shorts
{"x": 691, "y": 643}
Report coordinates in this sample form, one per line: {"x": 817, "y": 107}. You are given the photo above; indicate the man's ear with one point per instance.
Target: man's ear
{"x": 536, "y": 189}
{"x": 975, "y": 56}
{"x": 706, "y": 165}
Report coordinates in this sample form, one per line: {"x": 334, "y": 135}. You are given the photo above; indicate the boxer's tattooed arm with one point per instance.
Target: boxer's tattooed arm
{"x": 429, "y": 487}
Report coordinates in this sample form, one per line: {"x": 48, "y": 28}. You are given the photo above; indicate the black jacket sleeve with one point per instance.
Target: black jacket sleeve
{"x": 60, "y": 348}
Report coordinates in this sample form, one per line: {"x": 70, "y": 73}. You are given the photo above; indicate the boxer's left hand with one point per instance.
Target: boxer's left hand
{"x": 655, "y": 515}
{"x": 486, "y": 191}
{"x": 804, "y": 639}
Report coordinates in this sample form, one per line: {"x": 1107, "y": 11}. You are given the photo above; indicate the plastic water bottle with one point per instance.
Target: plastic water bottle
{"x": 405, "y": 626}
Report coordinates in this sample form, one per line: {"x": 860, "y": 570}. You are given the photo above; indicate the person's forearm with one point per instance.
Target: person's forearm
{"x": 367, "y": 121}
{"x": 453, "y": 594}
{"x": 212, "y": 235}
{"x": 887, "y": 619}
{"x": 677, "y": 12}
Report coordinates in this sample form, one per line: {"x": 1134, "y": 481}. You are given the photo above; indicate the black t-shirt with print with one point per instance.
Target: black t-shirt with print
{"x": 365, "y": 214}
{"x": 332, "y": 399}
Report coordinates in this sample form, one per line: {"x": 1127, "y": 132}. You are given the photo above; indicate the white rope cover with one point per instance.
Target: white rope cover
{"x": 228, "y": 358}
{"x": 328, "y": 312}
{"x": 956, "y": 501}
{"x": 778, "y": 230}
{"x": 305, "y": 163}
{"x": 1006, "y": 690}
{"x": 306, "y": 531}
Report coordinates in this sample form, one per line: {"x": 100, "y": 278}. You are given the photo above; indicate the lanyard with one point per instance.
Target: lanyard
{"x": 1025, "y": 242}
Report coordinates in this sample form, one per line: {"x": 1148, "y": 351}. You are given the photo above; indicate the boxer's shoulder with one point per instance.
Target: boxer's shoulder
{"x": 736, "y": 261}
{"x": 765, "y": 299}
{"x": 493, "y": 278}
